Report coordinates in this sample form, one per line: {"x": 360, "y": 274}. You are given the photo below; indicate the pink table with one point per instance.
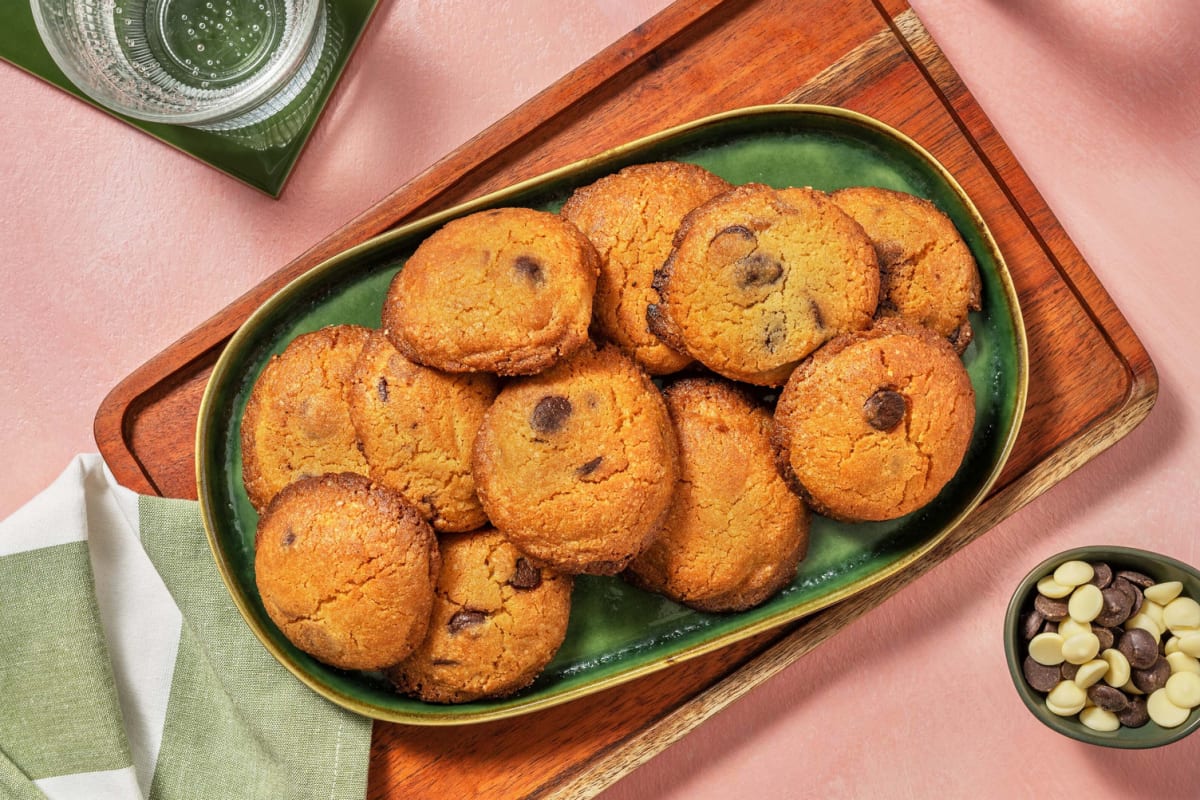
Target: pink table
{"x": 115, "y": 245}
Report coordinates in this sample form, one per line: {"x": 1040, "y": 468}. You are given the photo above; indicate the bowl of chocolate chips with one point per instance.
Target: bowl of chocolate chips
{"x": 1103, "y": 645}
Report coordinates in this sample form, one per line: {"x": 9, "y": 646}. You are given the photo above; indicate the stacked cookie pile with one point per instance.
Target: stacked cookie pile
{"x": 428, "y": 489}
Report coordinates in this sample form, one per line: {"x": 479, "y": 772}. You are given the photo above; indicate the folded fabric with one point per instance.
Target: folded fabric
{"x": 127, "y": 672}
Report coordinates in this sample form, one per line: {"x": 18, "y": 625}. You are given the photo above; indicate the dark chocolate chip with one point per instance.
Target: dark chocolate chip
{"x": 1139, "y": 647}
{"x": 776, "y": 334}
{"x": 1032, "y": 624}
{"x": 1039, "y": 676}
{"x": 1107, "y": 697}
{"x": 815, "y": 309}
{"x": 531, "y": 269}
{"x": 382, "y": 388}
{"x": 1136, "y": 578}
{"x": 758, "y": 269}
{"x": 444, "y": 662}
{"x": 1116, "y": 606}
{"x": 885, "y": 409}
{"x": 589, "y": 467}
{"x": 288, "y": 538}
{"x": 656, "y": 322}
{"x": 1105, "y": 635}
{"x": 1050, "y": 608}
{"x": 1102, "y": 575}
{"x": 550, "y": 414}
{"x": 1135, "y": 714}
{"x": 467, "y": 618}
{"x": 526, "y": 575}
{"x": 1152, "y": 678}
{"x": 1068, "y": 670}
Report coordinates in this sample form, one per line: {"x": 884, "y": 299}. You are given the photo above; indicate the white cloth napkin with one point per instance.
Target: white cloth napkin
{"x": 127, "y": 672}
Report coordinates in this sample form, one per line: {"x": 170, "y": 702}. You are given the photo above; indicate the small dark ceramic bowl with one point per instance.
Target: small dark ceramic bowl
{"x": 1161, "y": 569}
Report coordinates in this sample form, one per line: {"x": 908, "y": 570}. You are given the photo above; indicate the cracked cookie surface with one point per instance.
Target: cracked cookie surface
{"x": 346, "y": 569}
{"x": 876, "y": 423}
{"x": 756, "y": 282}
{"x": 631, "y": 217}
{"x": 497, "y": 621}
{"x": 297, "y": 420}
{"x": 735, "y": 532}
{"x": 508, "y": 290}
{"x": 577, "y": 465}
{"x": 417, "y": 426}
{"x": 927, "y": 272}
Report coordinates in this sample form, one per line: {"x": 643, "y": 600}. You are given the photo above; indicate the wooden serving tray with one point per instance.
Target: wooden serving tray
{"x": 1091, "y": 380}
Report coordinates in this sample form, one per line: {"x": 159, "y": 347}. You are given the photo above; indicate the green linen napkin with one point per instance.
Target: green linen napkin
{"x": 127, "y": 672}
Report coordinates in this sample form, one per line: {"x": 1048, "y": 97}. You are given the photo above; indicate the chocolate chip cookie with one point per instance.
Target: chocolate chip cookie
{"x": 735, "y": 532}
{"x": 875, "y": 423}
{"x": 756, "y": 282}
{"x": 497, "y": 621}
{"x": 576, "y": 466}
{"x": 507, "y": 290}
{"x": 297, "y": 421}
{"x": 417, "y": 426}
{"x": 631, "y": 217}
{"x": 927, "y": 272}
{"x": 346, "y": 569}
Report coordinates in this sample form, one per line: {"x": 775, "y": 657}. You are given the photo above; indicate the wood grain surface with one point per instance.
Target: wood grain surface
{"x": 1091, "y": 380}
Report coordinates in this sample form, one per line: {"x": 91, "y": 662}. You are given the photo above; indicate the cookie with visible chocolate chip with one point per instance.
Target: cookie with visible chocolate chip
{"x": 631, "y": 217}
{"x": 297, "y": 420}
{"x": 417, "y": 426}
{"x": 756, "y": 282}
{"x": 507, "y": 290}
{"x": 497, "y": 621}
{"x": 735, "y": 532}
{"x": 346, "y": 569}
{"x": 875, "y": 423}
{"x": 577, "y": 465}
{"x": 927, "y": 272}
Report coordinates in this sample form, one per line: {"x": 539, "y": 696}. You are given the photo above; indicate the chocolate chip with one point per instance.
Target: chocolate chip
{"x": 1136, "y": 578}
{"x": 588, "y": 468}
{"x": 1039, "y": 676}
{"x": 1107, "y": 697}
{"x": 382, "y": 388}
{"x": 1135, "y": 714}
{"x": 1105, "y": 635}
{"x": 1116, "y": 607}
{"x": 530, "y": 269}
{"x": 758, "y": 269}
{"x": 1139, "y": 647}
{"x": 776, "y": 333}
{"x": 1032, "y": 624}
{"x": 467, "y": 618}
{"x": 288, "y": 538}
{"x": 550, "y": 414}
{"x": 1152, "y": 678}
{"x": 885, "y": 409}
{"x": 1068, "y": 670}
{"x": 815, "y": 309}
{"x": 526, "y": 575}
{"x": 1134, "y": 592}
{"x": 1102, "y": 575}
{"x": 444, "y": 662}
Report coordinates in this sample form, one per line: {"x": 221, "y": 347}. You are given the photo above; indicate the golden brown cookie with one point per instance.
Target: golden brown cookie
{"x": 497, "y": 621}
{"x": 417, "y": 426}
{"x": 927, "y": 272}
{"x": 631, "y": 217}
{"x": 507, "y": 290}
{"x": 297, "y": 421}
{"x": 576, "y": 466}
{"x": 735, "y": 532}
{"x": 875, "y": 423}
{"x": 346, "y": 569}
{"x": 756, "y": 282}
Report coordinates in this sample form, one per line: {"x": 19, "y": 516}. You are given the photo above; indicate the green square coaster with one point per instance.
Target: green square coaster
{"x": 261, "y": 158}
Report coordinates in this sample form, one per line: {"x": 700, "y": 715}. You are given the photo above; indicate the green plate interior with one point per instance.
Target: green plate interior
{"x": 618, "y": 632}
{"x": 262, "y": 159}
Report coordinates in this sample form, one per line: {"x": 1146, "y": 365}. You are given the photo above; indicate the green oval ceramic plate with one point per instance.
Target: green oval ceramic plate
{"x": 618, "y": 633}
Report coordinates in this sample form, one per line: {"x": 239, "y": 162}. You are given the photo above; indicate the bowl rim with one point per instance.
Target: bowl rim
{"x": 1070, "y": 726}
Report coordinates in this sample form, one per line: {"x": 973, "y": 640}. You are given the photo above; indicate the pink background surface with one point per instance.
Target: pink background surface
{"x": 114, "y": 246}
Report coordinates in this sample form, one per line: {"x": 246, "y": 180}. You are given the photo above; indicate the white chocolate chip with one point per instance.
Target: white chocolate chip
{"x": 1091, "y": 672}
{"x": 1155, "y": 612}
{"x": 1080, "y": 648}
{"x": 1070, "y": 627}
{"x": 1182, "y": 613}
{"x": 1130, "y": 689}
{"x": 1163, "y": 711}
{"x": 1183, "y": 689}
{"x": 1047, "y": 649}
{"x": 1182, "y": 662}
{"x": 1066, "y": 699}
{"x": 1073, "y": 573}
{"x": 1086, "y": 603}
{"x": 1190, "y": 643}
{"x": 1163, "y": 593}
{"x": 1053, "y": 589}
{"x": 1146, "y": 623}
{"x": 1172, "y": 646}
{"x": 1098, "y": 719}
{"x": 1118, "y": 668}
